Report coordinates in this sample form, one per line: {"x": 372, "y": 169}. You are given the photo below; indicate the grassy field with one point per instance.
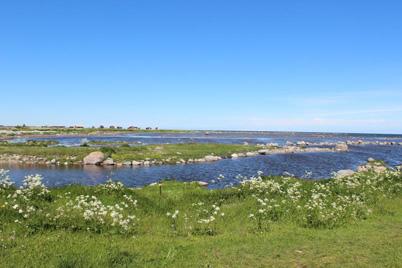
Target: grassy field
{"x": 125, "y": 153}
{"x": 266, "y": 221}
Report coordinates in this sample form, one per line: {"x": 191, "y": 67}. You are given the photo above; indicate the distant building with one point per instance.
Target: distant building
{"x": 133, "y": 128}
{"x": 119, "y": 127}
{"x": 148, "y": 128}
{"x": 112, "y": 127}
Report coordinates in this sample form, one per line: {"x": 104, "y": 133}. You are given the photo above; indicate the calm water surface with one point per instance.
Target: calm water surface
{"x": 220, "y": 137}
{"x": 321, "y": 165}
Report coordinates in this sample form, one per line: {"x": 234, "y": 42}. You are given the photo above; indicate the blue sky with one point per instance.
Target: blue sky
{"x": 245, "y": 65}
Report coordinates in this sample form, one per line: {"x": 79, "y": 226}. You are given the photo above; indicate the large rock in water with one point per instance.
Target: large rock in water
{"x": 94, "y": 158}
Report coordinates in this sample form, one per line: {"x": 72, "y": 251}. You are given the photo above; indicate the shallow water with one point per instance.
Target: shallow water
{"x": 321, "y": 165}
{"x": 220, "y": 137}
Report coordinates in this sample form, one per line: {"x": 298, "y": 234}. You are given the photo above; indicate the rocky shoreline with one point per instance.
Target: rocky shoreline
{"x": 100, "y": 159}
{"x": 372, "y": 165}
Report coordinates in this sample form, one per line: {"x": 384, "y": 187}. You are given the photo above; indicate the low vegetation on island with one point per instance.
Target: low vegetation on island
{"x": 41, "y": 152}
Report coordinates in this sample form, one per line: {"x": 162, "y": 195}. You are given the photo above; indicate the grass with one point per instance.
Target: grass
{"x": 376, "y": 242}
{"x": 373, "y": 240}
{"x": 124, "y": 153}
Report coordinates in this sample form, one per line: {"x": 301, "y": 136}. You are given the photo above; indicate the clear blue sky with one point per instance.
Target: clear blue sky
{"x": 247, "y": 65}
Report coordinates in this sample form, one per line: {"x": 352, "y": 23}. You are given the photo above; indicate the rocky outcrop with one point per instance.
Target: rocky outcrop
{"x": 341, "y": 147}
{"x": 94, "y": 158}
{"x": 373, "y": 166}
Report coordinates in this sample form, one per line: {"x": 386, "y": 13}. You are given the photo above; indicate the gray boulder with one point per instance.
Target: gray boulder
{"x": 94, "y": 158}
{"x": 249, "y": 154}
{"x": 344, "y": 173}
{"x": 210, "y": 158}
{"x": 136, "y": 163}
{"x": 108, "y": 162}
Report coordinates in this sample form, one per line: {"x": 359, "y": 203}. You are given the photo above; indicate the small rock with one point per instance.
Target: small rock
{"x": 251, "y": 154}
{"x": 370, "y": 159}
{"x": 344, "y": 173}
{"x": 136, "y": 163}
{"x": 210, "y": 158}
{"x": 202, "y": 183}
{"x": 234, "y": 156}
{"x": 108, "y": 162}
{"x": 301, "y": 143}
{"x": 341, "y": 147}
{"x": 263, "y": 151}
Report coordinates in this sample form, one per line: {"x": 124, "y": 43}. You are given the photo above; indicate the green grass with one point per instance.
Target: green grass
{"x": 376, "y": 242}
{"x": 122, "y": 153}
{"x": 373, "y": 240}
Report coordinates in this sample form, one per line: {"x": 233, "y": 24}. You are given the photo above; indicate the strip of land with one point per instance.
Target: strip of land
{"x": 121, "y": 154}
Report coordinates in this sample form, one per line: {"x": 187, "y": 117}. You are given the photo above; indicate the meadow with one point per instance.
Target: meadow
{"x": 262, "y": 222}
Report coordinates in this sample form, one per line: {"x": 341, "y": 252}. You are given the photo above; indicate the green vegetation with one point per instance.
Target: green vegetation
{"x": 36, "y": 143}
{"x": 266, "y": 221}
{"x": 35, "y": 131}
{"x": 172, "y": 152}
